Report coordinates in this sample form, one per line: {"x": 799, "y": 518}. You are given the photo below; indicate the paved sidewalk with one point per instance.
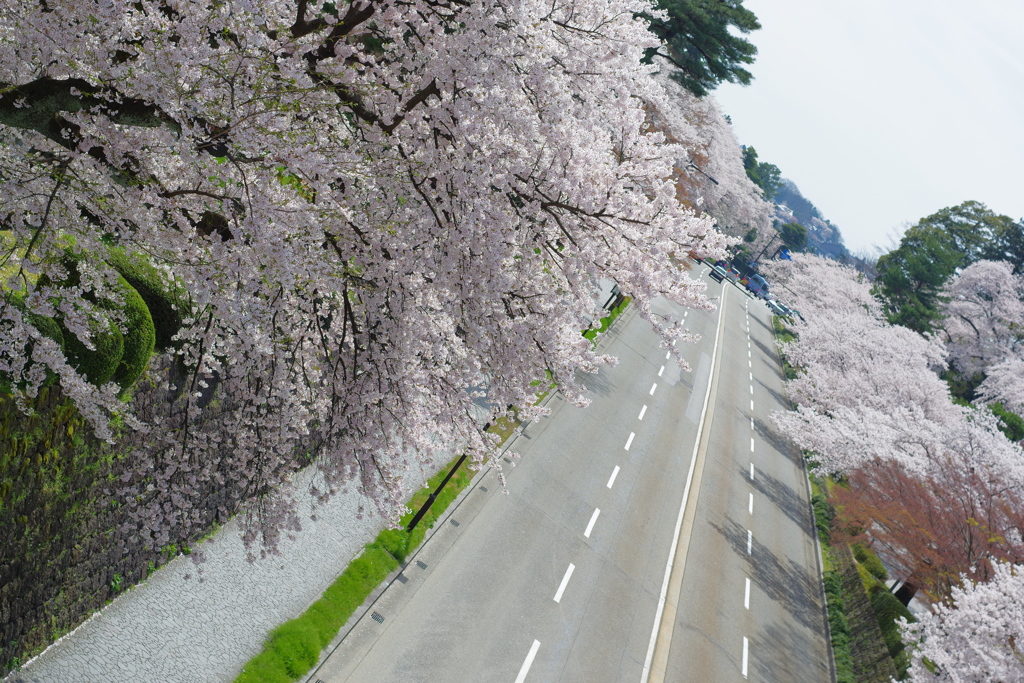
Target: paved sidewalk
{"x": 203, "y": 622}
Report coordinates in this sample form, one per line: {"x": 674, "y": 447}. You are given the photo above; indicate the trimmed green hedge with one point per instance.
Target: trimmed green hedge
{"x": 139, "y": 341}
{"x": 888, "y": 610}
{"x": 870, "y": 562}
{"x": 121, "y": 357}
{"x": 99, "y": 364}
{"x": 839, "y": 627}
{"x": 168, "y": 304}
{"x": 822, "y": 516}
{"x": 48, "y": 327}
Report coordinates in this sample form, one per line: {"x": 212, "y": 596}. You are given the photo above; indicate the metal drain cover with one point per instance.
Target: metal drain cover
{"x": 378, "y": 617}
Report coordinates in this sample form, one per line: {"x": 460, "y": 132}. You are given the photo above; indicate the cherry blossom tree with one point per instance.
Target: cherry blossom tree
{"x": 1004, "y": 384}
{"x": 865, "y": 389}
{"x": 710, "y": 176}
{"x": 984, "y": 316}
{"x": 960, "y": 510}
{"x": 975, "y": 637}
{"x": 370, "y": 207}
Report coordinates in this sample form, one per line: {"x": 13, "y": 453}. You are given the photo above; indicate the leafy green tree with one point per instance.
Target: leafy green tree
{"x": 794, "y": 236}
{"x": 1007, "y": 244}
{"x": 911, "y": 277}
{"x": 976, "y": 230}
{"x": 766, "y": 176}
{"x": 704, "y": 40}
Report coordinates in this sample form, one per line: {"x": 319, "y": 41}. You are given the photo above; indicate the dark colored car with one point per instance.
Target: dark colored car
{"x": 718, "y": 273}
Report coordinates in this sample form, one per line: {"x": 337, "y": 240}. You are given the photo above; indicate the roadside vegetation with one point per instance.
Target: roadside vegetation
{"x": 294, "y": 647}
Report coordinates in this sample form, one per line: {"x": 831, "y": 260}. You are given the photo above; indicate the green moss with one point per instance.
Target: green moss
{"x": 168, "y": 304}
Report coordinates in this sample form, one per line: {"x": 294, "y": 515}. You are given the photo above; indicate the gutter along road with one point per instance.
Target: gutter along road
{"x": 602, "y": 564}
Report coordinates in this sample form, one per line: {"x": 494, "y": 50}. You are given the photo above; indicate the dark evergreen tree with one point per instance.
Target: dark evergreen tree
{"x": 766, "y": 176}
{"x": 698, "y": 40}
{"x": 911, "y": 277}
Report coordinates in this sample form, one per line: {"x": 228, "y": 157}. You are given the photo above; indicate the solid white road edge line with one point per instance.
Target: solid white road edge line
{"x": 615, "y": 473}
{"x": 682, "y": 507}
{"x": 629, "y": 441}
{"x": 525, "y": 668}
{"x": 565, "y": 582}
{"x": 590, "y": 525}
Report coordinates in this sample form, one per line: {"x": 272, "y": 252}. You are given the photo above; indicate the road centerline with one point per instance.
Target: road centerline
{"x": 642, "y": 411}
{"x": 629, "y": 441}
{"x": 653, "y": 387}
{"x": 525, "y": 668}
{"x": 565, "y": 582}
{"x": 590, "y": 524}
{"x": 615, "y": 473}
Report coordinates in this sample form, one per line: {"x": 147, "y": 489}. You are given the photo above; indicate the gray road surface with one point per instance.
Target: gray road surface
{"x": 560, "y": 580}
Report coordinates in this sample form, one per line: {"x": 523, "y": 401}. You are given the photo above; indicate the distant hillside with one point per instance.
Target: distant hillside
{"x": 823, "y": 238}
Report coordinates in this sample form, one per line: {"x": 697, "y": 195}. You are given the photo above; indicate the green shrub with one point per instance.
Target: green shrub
{"x": 839, "y": 626}
{"x": 168, "y": 304}
{"x": 140, "y": 338}
{"x": 48, "y": 327}
{"x": 98, "y": 365}
{"x": 888, "y": 610}
{"x": 870, "y": 561}
{"x": 297, "y": 646}
{"x": 822, "y": 516}
{"x": 607, "y": 320}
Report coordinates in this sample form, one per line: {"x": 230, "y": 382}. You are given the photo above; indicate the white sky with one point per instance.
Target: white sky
{"x": 884, "y": 112}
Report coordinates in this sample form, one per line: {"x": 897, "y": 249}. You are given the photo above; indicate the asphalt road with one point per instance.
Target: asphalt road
{"x": 574, "y": 574}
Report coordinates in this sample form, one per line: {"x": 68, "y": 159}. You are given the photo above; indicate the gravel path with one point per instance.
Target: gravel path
{"x": 203, "y": 622}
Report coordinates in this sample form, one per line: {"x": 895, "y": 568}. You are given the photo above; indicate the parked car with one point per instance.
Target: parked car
{"x": 756, "y": 284}
{"x": 718, "y": 273}
{"x": 776, "y": 307}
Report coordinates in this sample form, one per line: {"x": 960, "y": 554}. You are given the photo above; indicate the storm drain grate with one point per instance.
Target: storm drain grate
{"x": 378, "y": 617}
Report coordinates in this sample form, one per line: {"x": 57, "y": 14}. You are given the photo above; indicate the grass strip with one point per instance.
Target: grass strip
{"x": 294, "y": 647}
{"x": 607, "y": 321}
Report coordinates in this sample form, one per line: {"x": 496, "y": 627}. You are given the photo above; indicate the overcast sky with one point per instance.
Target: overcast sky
{"x": 883, "y": 112}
